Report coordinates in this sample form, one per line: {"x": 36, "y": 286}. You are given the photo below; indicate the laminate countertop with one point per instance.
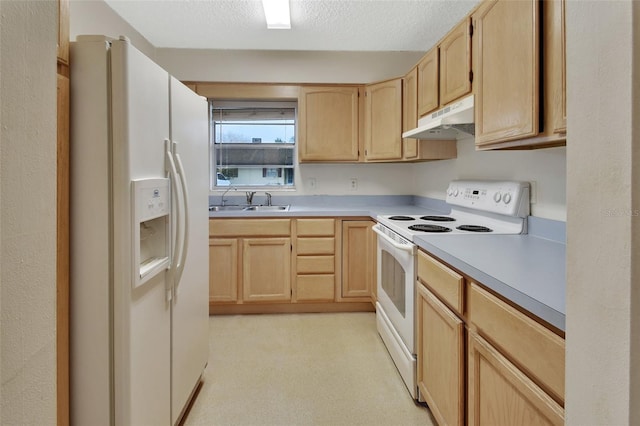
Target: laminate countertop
{"x": 529, "y": 270}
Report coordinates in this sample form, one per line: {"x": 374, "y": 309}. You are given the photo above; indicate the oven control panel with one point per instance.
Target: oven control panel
{"x": 509, "y": 198}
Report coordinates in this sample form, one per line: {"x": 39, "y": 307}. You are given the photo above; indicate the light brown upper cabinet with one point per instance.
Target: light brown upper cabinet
{"x": 555, "y": 76}
{"x": 328, "y": 128}
{"x": 519, "y": 73}
{"x": 428, "y": 69}
{"x": 383, "y": 121}
{"x": 455, "y": 63}
{"x": 506, "y": 63}
{"x": 410, "y": 112}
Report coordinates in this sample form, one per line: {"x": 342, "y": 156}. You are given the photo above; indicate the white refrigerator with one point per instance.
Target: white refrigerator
{"x": 139, "y": 238}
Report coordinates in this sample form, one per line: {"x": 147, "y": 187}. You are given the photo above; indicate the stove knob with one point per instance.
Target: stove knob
{"x": 506, "y": 198}
{"x": 497, "y": 197}
{"x": 449, "y": 192}
{"x": 455, "y": 192}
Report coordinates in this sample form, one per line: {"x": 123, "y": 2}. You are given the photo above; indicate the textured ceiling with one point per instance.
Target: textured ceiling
{"x": 335, "y": 25}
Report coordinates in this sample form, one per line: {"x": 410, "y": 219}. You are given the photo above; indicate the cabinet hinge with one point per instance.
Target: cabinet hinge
{"x": 470, "y": 76}
{"x": 471, "y": 29}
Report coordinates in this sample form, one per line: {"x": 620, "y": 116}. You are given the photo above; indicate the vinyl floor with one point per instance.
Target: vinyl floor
{"x": 302, "y": 369}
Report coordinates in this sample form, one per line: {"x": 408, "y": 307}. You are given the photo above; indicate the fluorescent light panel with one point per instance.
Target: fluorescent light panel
{"x": 277, "y": 14}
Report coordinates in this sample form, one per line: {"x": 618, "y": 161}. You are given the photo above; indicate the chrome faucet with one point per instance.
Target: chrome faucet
{"x": 268, "y": 198}
{"x": 250, "y": 195}
{"x": 225, "y": 193}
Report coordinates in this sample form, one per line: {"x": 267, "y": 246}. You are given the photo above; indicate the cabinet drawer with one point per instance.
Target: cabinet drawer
{"x": 315, "y": 227}
{"x": 249, "y": 227}
{"x": 536, "y": 349}
{"x": 315, "y": 264}
{"x": 316, "y": 245}
{"x": 315, "y": 287}
{"x": 447, "y": 284}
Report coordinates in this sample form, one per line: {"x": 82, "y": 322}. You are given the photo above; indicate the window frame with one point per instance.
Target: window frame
{"x": 248, "y": 103}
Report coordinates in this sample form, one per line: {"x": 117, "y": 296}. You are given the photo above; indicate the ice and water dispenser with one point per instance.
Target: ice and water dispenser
{"x": 151, "y": 225}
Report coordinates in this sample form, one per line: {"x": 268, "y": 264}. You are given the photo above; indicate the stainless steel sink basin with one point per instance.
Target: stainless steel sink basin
{"x": 245, "y": 208}
{"x": 266, "y": 208}
{"x": 226, "y": 208}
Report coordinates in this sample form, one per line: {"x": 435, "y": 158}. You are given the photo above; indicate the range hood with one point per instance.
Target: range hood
{"x": 452, "y": 122}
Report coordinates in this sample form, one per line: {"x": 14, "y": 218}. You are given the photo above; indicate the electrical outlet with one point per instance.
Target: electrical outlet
{"x": 533, "y": 192}
{"x": 311, "y": 183}
{"x": 353, "y": 184}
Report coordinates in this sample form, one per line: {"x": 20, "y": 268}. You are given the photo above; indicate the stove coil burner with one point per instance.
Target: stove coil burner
{"x": 438, "y": 218}
{"x": 474, "y": 228}
{"x": 402, "y": 218}
{"x": 429, "y": 228}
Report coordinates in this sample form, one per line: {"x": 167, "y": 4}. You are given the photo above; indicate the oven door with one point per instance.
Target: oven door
{"x": 396, "y": 283}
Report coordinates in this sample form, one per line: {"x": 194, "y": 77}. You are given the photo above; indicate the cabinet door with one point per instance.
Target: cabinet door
{"x": 500, "y": 394}
{"x": 223, "y": 270}
{"x": 383, "y": 121}
{"x": 328, "y": 124}
{"x": 555, "y": 64}
{"x": 506, "y": 68}
{"x": 455, "y": 63}
{"x": 440, "y": 349}
{"x": 428, "y": 70}
{"x": 410, "y": 112}
{"x": 358, "y": 250}
{"x": 266, "y": 269}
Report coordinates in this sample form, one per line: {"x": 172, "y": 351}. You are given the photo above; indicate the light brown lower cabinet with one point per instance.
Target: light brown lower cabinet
{"x": 358, "y": 259}
{"x": 440, "y": 358}
{"x": 266, "y": 269}
{"x": 316, "y": 260}
{"x": 499, "y": 394}
{"x": 265, "y": 272}
{"x": 223, "y": 270}
{"x": 288, "y": 264}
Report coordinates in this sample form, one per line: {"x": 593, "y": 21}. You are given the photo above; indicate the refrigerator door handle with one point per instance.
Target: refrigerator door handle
{"x": 185, "y": 207}
{"x": 173, "y": 175}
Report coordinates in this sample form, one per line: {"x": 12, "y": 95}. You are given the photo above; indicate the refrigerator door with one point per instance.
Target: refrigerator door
{"x": 190, "y": 302}
{"x": 141, "y": 315}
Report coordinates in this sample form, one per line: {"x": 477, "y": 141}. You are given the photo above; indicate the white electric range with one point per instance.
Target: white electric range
{"x": 490, "y": 207}
{"x": 477, "y": 207}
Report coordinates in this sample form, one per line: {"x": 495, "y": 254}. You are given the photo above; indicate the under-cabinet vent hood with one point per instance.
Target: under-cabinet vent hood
{"x": 452, "y": 122}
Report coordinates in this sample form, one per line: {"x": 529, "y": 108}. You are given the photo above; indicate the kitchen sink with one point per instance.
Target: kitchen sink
{"x": 226, "y": 208}
{"x": 258, "y": 208}
{"x": 266, "y": 208}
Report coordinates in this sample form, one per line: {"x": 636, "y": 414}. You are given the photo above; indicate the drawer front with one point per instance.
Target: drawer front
{"x": 446, "y": 283}
{"x": 535, "y": 348}
{"x": 315, "y": 264}
{"x": 315, "y": 227}
{"x": 316, "y": 245}
{"x": 249, "y": 227}
{"x": 315, "y": 287}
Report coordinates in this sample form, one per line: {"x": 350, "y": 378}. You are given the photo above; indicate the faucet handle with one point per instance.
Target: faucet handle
{"x": 268, "y": 198}
{"x": 250, "y": 195}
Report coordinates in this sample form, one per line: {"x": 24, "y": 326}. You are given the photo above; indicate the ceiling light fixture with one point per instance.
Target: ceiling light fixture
{"x": 277, "y": 14}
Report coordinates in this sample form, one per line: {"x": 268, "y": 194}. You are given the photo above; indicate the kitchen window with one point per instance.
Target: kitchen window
{"x": 253, "y": 144}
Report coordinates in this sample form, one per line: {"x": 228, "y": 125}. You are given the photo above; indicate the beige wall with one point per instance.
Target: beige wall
{"x": 547, "y": 167}
{"x": 96, "y": 17}
{"x": 27, "y": 213}
{"x": 271, "y": 66}
{"x": 603, "y": 154}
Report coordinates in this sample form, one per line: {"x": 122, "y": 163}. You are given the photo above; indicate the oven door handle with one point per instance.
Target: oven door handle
{"x": 405, "y": 247}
